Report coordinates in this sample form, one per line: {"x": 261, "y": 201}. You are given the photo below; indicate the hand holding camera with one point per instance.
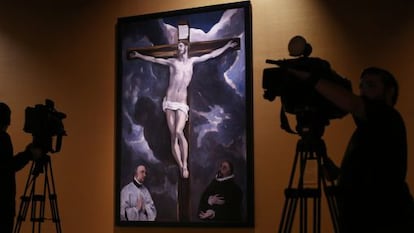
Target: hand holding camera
{"x": 36, "y": 152}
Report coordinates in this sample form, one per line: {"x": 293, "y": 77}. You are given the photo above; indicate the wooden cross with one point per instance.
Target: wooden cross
{"x": 170, "y": 50}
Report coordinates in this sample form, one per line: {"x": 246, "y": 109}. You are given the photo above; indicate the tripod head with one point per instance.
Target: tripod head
{"x": 311, "y": 127}
{"x": 310, "y": 124}
{"x": 39, "y": 165}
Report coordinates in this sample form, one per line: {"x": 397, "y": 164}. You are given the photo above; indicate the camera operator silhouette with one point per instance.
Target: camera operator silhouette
{"x": 372, "y": 194}
{"x": 9, "y": 165}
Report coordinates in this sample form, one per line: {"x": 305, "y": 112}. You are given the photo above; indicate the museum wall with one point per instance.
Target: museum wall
{"x": 65, "y": 51}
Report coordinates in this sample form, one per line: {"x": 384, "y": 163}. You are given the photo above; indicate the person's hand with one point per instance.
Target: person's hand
{"x": 133, "y": 54}
{"x": 216, "y": 200}
{"x": 304, "y": 76}
{"x": 330, "y": 170}
{"x": 209, "y": 214}
{"x": 232, "y": 44}
{"x": 35, "y": 151}
{"x": 301, "y": 75}
{"x": 140, "y": 202}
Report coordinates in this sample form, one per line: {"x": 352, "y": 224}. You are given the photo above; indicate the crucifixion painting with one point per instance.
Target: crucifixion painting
{"x": 174, "y": 103}
{"x": 182, "y": 106}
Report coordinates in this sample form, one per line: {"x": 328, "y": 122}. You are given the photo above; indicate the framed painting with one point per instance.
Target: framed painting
{"x": 184, "y": 125}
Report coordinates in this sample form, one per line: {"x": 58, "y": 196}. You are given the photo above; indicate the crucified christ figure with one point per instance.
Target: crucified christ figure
{"x": 175, "y": 101}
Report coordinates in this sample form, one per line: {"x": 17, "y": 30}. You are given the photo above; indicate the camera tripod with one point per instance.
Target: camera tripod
{"x": 41, "y": 166}
{"x": 308, "y": 149}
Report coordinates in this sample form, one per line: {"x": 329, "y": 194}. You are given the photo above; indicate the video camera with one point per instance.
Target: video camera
{"x": 44, "y": 122}
{"x": 297, "y": 96}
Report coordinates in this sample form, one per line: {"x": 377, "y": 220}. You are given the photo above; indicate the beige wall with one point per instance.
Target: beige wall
{"x": 65, "y": 51}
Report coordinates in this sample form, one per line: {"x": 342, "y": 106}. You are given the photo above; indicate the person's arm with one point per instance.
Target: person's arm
{"x": 208, "y": 214}
{"x": 128, "y": 211}
{"x": 233, "y": 202}
{"x": 215, "y": 53}
{"x": 205, "y": 210}
{"x": 136, "y": 55}
{"x": 20, "y": 160}
{"x": 31, "y": 152}
{"x": 341, "y": 97}
{"x": 149, "y": 207}
{"x": 6, "y": 151}
{"x": 212, "y": 201}
{"x": 7, "y": 159}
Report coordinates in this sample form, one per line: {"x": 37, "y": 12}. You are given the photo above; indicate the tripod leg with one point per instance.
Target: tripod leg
{"x": 294, "y": 194}
{"x": 333, "y": 207}
{"x": 38, "y": 200}
{"x": 289, "y": 211}
{"x": 317, "y": 196}
{"x": 25, "y": 200}
{"x": 291, "y": 199}
{"x": 308, "y": 150}
{"x": 303, "y": 218}
{"x": 37, "y": 214}
{"x": 50, "y": 183}
{"x": 329, "y": 190}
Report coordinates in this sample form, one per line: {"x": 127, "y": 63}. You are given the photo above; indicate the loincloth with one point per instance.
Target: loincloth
{"x": 166, "y": 104}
